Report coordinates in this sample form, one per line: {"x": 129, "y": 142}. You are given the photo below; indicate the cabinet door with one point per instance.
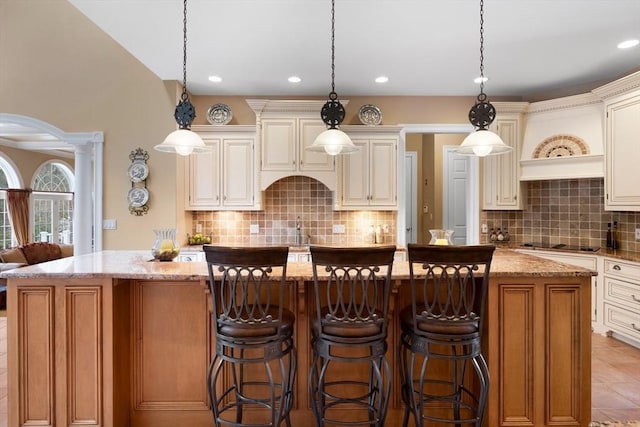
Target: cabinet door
{"x": 355, "y": 175}
{"x": 622, "y": 154}
{"x": 204, "y": 178}
{"x": 278, "y": 145}
{"x": 238, "y": 172}
{"x": 502, "y": 188}
{"x": 308, "y": 130}
{"x": 382, "y": 172}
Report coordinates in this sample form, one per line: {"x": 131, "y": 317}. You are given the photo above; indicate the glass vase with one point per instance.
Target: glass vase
{"x": 165, "y": 247}
{"x": 441, "y": 237}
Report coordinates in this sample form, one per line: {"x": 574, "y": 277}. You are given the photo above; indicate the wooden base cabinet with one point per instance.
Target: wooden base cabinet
{"x": 540, "y": 360}
{"x": 134, "y": 353}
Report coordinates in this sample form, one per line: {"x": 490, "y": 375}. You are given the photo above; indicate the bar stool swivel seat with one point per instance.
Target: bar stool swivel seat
{"x": 350, "y": 378}
{"x": 442, "y": 333}
{"x": 250, "y": 378}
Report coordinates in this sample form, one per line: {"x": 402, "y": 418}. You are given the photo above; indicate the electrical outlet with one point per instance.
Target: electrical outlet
{"x": 199, "y": 227}
{"x": 254, "y": 228}
{"x": 338, "y": 228}
{"x": 485, "y": 229}
{"x": 385, "y": 228}
{"x": 637, "y": 233}
{"x": 109, "y": 224}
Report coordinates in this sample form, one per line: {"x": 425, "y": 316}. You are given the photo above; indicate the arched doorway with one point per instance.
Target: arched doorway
{"x": 27, "y": 133}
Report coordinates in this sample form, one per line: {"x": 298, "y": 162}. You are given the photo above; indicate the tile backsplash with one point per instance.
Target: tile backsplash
{"x": 569, "y": 211}
{"x": 286, "y": 200}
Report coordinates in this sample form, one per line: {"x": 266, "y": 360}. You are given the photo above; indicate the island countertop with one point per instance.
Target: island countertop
{"x": 139, "y": 265}
{"x": 134, "y": 337}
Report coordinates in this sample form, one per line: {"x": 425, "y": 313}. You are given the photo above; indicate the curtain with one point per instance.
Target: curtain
{"x": 18, "y": 209}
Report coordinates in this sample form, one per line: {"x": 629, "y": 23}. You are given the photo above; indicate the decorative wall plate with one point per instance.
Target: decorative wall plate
{"x": 138, "y": 171}
{"x": 370, "y": 115}
{"x": 219, "y": 114}
{"x": 138, "y": 196}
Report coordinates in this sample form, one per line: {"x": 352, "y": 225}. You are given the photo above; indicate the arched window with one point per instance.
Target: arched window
{"x": 8, "y": 179}
{"x": 52, "y": 202}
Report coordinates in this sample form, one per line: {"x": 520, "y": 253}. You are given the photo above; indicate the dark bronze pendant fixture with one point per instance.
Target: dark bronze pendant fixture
{"x": 183, "y": 141}
{"x": 482, "y": 142}
{"x": 333, "y": 141}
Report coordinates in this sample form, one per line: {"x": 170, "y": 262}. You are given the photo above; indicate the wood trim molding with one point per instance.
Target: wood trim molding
{"x": 36, "y": 374}
{"x": 84, "y": 355}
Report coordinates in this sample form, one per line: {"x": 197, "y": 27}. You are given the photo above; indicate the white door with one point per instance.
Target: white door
{"x": 455, "y": 194}
{"x": 411, "y": 196}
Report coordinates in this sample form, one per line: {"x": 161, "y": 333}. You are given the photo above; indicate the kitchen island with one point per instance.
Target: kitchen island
{"x": 111, "y": 339}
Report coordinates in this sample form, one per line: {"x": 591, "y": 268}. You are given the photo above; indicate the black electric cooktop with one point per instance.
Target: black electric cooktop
{"x": 561, "y": 246}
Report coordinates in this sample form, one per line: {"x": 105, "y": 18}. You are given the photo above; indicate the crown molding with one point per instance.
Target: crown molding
{"x": 566, "y": 102}
{"x": 261, "y": 106}
{"x": 617, "y": 87}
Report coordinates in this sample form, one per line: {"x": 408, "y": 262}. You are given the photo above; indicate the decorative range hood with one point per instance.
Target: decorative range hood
{"x": 563, "y": 139}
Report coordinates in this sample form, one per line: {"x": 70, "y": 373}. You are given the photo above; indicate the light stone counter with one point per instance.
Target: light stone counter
{"x": 139, "y": 265}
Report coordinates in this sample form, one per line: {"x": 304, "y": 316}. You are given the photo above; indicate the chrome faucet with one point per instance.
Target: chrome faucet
{"x": 298, "y": 231}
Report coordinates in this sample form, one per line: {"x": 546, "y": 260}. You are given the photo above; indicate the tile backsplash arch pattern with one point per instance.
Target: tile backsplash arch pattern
{"x": 560, "y": 145}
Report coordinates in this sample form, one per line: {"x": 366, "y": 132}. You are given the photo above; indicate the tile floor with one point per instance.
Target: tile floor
{"x": 615, "y": 379}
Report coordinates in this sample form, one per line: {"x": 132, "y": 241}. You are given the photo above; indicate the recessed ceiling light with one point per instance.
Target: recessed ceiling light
{"x": 215, "y": 79}
{"x": 479, "y": 80}
{"x": 294, "y": 79}
{"x": 628, "y": 43}
{"x": 382, "y": 79}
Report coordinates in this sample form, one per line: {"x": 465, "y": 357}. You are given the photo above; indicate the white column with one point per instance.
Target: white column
{"x": 83, "y": 206}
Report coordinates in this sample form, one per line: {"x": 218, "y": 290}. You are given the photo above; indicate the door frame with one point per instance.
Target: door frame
{"x": 413, "y": 157}
{"x": 473, "y": 208}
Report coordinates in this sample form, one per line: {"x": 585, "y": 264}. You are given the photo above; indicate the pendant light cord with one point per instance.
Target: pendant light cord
{"x": 482, "y": 96}
{"x": 184, "y": 53}
{"x": 333, "y": 94}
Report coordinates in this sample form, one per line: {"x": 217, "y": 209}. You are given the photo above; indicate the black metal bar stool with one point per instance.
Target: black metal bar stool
{"x": 351, "y": 291}
{"x": 252, "y": 329}
{"x": 443, "y": 327}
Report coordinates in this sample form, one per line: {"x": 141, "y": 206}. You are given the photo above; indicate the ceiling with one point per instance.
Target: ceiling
{"x": 424, "y": 47}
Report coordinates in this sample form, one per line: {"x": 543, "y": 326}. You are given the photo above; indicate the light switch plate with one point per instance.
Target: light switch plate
{"x": 254, "y": 228}
{"x": 637, "y": 233}
{"x": 338, "y": 229}
{"x": 109, "y": 224}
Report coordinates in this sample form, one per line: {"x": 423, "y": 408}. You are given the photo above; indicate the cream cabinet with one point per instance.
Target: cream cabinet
{"x": 223, "y": 178}
{"x": 622, "y": 299}
{"x": 502, "y": 189}
{"x": 622, "y": 152}
{"x": 368, "y": 177}
{"x": 284, "y": 143}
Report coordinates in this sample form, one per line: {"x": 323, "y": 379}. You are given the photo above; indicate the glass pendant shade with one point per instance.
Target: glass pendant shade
{"x": 182, "y": 142}
{"x": 483, "y": 143}
{"x": 333, "y": 142}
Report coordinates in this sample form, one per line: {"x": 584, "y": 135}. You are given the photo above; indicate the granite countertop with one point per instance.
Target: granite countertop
{"x": 137, "y": 265}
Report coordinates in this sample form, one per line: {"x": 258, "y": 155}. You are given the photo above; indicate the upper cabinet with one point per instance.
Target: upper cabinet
{"x": 223, "y": 178}
{"x": 502, "y": 189}
{"x": 285, "y": 129}
{"x": 368, "y": 178}
{"x": 622, "y": 151}
{"x": 284, "y": 143}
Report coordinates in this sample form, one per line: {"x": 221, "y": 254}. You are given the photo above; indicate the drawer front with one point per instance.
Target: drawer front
{"x": 191, "y": 257}
{"x": 621, "y": 292}
{"x": 622, "y": 321}
{"x": 627, "y": 270}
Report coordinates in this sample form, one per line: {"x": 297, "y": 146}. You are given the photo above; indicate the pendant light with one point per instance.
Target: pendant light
{"x": 333, "y": 141}
{"x": 482, "y": 142}
{"x": 183, "y": 141}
